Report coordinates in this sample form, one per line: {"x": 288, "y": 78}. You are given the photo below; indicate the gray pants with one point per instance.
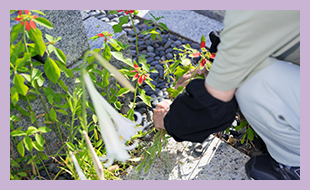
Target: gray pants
{"x": 270, "y": 101}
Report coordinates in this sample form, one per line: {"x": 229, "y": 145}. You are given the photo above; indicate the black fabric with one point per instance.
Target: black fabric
{"x": 215, "y": 40}
{"x": 195, "y": 114}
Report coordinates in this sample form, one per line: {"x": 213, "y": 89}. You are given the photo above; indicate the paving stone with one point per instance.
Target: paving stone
{"x": 217, "y": 160}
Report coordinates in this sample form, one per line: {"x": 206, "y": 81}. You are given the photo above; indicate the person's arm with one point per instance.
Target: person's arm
{"x": 224, "y": 96}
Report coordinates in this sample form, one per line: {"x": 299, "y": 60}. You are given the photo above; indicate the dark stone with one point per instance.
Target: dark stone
{"x": 169, "y": 50}
{"x": 195, "y": 46}
{"x": 149, "y": 116}
{"x": 169, "y": 56}
{"x": 168, "y": 44}
{"x": 147, "y": 42}
{"x": 150, "y": 49}
{"x": 161, "y": 53}
{"x": 154, "y": 103}
{"x": 160, "y": 48}
{"x": 161, "y": 73}
{"x": 154, "y": 63}
{"x": 151, "y": 54}
{"x": 149, "y": 59}
{"x": 178, "y": 43}
{"x": 158, "y": 67}
{"x": 141, "y": 47}
{"x": 173, "y": 37}
{"x": 131, "y": 33}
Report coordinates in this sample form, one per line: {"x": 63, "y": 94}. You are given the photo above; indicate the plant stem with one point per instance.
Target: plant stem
{"x": 134, "y": 28}
{"x": 24, "y": 37}
{"x": 134, "y": 97}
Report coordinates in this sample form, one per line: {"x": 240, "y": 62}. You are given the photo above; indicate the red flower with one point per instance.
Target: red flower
{"x": 202, "y": 44}
{"x": 100, "y": 35}
{"x": 18, "y": 19}
{"x": 212, "y": 55}
{"x": 196, "y": 54}
{"x": 135, "y": 66}
{"x": 141, "y": 79}
{"x": 26, "y": 20}
{"x": 203, "y": 62}
{"x": 136, "y": 75}
{"x": 127, "y": 11}
{"x": 32, "y": 24}
{"x": 27, "y": 25}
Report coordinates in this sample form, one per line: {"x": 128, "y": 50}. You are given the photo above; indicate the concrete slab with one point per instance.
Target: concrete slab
{"x": 185, "y": 23}
{"x": 212, "y": 160}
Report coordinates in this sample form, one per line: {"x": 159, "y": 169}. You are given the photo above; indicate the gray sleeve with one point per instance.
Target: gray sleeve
{"x": 247, "y": 41}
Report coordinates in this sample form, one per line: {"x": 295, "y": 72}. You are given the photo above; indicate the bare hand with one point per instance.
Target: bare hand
{"x": 183, "y": 81}
{"x": 160, "y": 111}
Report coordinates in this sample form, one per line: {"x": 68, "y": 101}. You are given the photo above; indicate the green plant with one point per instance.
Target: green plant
{"x": 29, "y": 86}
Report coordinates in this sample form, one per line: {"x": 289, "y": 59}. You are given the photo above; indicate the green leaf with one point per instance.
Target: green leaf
{"x": 17, "y": 29}
{"x": 28, "y": 143}
{"x": 176, "y": 92}
{"x": 61, "y": 56}
{"x": 130, "y": 114}
{"x": 49, "y": 93}
{"x": 22, "y": 110}
{"x": 145, "y": 66}
{"x": 62, "y": 111}
{"x": 107, "y": 53}
{"x": 118, "y": 105}
{"x": 116, "y": 73}
{"x": 17, "y": 133}
{"x": 62, "y": 85}
{"x": 63, "y": 68}
{"x": 250, "y": 133}
{"x": 118, "y": 27}
{"x": 20, "y": 148}
{"x": 14, "y": 95}
{"x": 163, "y": 25}
{"x": 70, "y": 146}
{"x": 36, "y": 36}
{"x": 15, "y": 51}
{"x": 243, "y": 138}
{"x": 39, "y": 139}
{"x": 51, "y": 70}
{"x": 49, "y": 37}
{"x": 53, "y": 114}
{"x": 37, "y": 146}
{"x": 153, "y": 36}
{"x": 150, "y": 84}
{"x": 33, "y": 117}
{"x": 116, "y": 44}
{"x": 44, "y": 22}
{"x": 39, "y": 12}
{"x": 122, "y": 91}
{"x": 119, "y": 56}
{"x": 146, "y": 99}
{"x": 51, "y": 48}
{"x": 44, "y": 129}
{"x": 36, "y": 75}
{"x": 18, "y": 81}
{"x": 31, "y": 130}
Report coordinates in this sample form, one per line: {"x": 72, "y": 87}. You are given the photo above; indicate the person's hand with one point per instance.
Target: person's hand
{"x": 160, "y": 111}
{"x": 183, "y": 81}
